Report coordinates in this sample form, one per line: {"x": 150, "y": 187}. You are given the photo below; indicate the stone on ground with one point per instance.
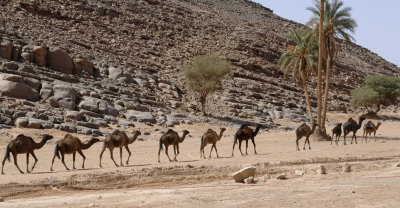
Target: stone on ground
{"x": 244, "y": 173}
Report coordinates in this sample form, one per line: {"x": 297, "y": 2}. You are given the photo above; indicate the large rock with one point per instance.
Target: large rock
{"x": 68, "y": 128}
{"x": 74, "y": 115}
{"x": 18, "y": 90}
{"x": 87, "y": 124}
{"x": 244, "y": 173}
{"x": 11, "y": 77}
{"x": 22, "y": 122}
{"x": 98, "y": 106}
{"x": 140, "y": 116}
{"x": 35, "y": 123}
{"x": 64, "y": 95}
{"x": 6, "y": 50}
{"x": 83, "y": 67}
{"x": 59, "y": 60}
{"x": 114, "y": 73}
{"x": 34, "y": 83}
{"x": 39, "y": 55}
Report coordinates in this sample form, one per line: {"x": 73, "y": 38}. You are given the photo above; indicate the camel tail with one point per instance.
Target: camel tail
{"x": 56, "y": 150}
{"x": 7, "y": 153}
{"x": 161, "y": 144}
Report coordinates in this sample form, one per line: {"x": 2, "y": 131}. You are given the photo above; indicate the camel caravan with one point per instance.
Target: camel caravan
{"x": 119, "y": 139}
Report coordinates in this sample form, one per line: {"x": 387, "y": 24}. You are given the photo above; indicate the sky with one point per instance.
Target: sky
{"x": 378, "y": 22}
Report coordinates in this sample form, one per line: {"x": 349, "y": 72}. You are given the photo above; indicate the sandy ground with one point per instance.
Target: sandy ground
{"x": 194, "y": 182}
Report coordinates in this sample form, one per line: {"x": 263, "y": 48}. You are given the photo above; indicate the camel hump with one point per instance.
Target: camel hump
{"x": 350, "y": 119}
{"x": 209, "y": 130}
{"x": 243, "y": 126}
{"x": 115, "y": 131}
{"x": 170, "y": 131}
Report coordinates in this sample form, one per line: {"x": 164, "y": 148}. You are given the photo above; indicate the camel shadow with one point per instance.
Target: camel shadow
{"x": 385, "y": 138}
{"x": 187, "y": 161}
{"x": 139, "y": 165}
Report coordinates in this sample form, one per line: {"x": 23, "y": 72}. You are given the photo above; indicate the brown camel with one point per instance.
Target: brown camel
{"x": 370, "y": 128}
{"x": 336, "y": 133}
{"x": 245, "y": 133}
{"x": 119, "y": 139}
{"x": 210, "y": 137}
{"x": 70, "y": 145}
{"x": 171, "y": 138}
{"x": 23, "y": 144}
{"x": 304, "y": 130}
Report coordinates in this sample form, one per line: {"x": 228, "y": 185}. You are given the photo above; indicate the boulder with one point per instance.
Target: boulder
{"x": 244, "y": 173}
{"x": 281, "y": 176}
{"x": 34, "y": 83}
{"x": 87, "y": 124}
{"x": 39, "y": 55}
{"x": 171, "y": 121}
{"x": 59, "y": 60}
{"x": 11, "y": 77}
{"x": 27, "y": 56}
{"x": 64, "y": 95}
{"x": 22, "y": 122}
{"x": 140, "y": 116}
{"x": 35, "y": 123}
{"x": 249, "y": 180}
{"x": 98, "y": 106}
{"x": 46, "y": 91}
{"x": 321, "y": 169}
{"x": 74, "y": 115}
{"x": 83, "y": 67}
{"x": 68, "y": 128}
{"x": 6, "y": 50}
{"x": 114, "y": 73}
{"x": 267, "y": 177}
{"x": 299, "y": 172}
{"x": 18, "y": 90}
{"x": 346, "y": 167}
{"x": 10, "y": 65}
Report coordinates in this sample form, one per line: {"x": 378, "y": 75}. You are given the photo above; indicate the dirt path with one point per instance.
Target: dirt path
{"x": 193, "y": 181}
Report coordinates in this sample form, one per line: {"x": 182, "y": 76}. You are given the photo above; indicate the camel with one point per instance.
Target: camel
{"x": 70, "y": 145}
{"x": 337, "y": 130}
{"x": 370, "y": 128}
{"x": 351, "y": 125}
{"x": 210, "y": 137}
{"x": 304, "y": 130}
{"x": 171, "y": 137}
{"x": 245, "y": 133}
{"x": 23, "y": 144}
{"x": 119, "y": 139}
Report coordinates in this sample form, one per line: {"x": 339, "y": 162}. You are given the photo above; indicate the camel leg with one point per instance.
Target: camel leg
{"x": 166, "y": 152}
{"x": 101, "y": 154}
{"x": 202, "y": 151}
{"x": 62, "y": 160}
{"x": 344, "y": 138}
{"x": 34, "y": 157}
{"x": 52, "y": 162}
{"x": 15, "y": 162}
{"x": 112, "y": 156}
{"x": 374, "y": 136}
{"x": 120, "y": 156}
{"x": 212, "y": 146}
{"x": 240, "y": 147}
{"x": 332, "y": 138}
{"x": 254, "y": 145}
{"x": 73, "y": 160}
{"x": 129, "y": 154}
{"x": 297, "y": 145}
{"x": 2, "y": 165}
{"x": 215, "y": 147}
{"x": 177, "y": 152}
{"x": 83, "y": 157}
{"x": 308, "y": 140}
{"x": 174, "y": 153}
{"x": 355, "y": 137}
{"x": 305, "y": 142}
{"x": 159, "y": 150}
{"x": 233, "y": 148}
{"x": 27, "y": 163}
{"x": 247, "y": 145}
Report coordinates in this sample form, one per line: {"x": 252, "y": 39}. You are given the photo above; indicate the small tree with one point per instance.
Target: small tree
{"x": 204, "y": 75}
{"x": 378, "y": 90}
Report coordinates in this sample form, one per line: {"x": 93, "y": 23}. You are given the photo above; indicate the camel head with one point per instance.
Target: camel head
{"x": 378, "y": 124}
{"x": 47, "y": 137}
{"x": 315, "y": 125}
{"x": 339, "y": 125}
{"x": 185, "y": 132}
{"x": 223, "y": 129}
{"x": 361, "y": 118}
{"x": 137, "y": 133}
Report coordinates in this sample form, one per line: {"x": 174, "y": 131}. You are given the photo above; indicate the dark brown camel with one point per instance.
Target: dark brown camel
{"x": 336, "y": 133}
{"x": 245, "y": 133}
{"x": 23, "y": 144}
{"x": 352, "y": 126}
{"x": 210, "y": 137}
{"x": 171, "y": 138}
{"x": 304, "y": 130}
{"x": 119, "y": 139}
{"x": 70, "y": 145}
{"x": 370, "y": 128}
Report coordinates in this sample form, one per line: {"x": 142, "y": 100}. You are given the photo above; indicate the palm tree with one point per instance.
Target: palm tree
{"x": 337, "y": 24}
{"x": 320, "y": 46}
{"x": 300, "y": 60}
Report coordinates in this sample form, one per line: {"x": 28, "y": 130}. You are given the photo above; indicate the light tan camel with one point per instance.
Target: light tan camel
{"x": 171, "y": 138}
{"x": 70, "y": 145}
{"x": 23, "y": 144}
{"x": 210, "y": 137}
{"x": 370, "y": 128}
{"x": 118, "y": 139}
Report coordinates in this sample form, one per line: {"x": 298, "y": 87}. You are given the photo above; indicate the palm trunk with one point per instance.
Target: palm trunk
{"x": 327, "y": 81}
{"x": 308, "y": 102}
{"x": 320, "y": 43}
{"x": 203, "y": 101}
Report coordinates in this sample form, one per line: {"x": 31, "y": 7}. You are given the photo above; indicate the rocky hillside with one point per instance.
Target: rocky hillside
{"x": 78, "y": 65}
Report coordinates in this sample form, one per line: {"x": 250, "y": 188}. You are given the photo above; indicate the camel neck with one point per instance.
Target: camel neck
{"x": 220, "y": 135}
{"x": 182, "y": 138}
{"x": 133, "y": 138}
{"x": 40, "y": 145}
{"x": 256, "y": 131}
{"x": 89, "y": 144}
